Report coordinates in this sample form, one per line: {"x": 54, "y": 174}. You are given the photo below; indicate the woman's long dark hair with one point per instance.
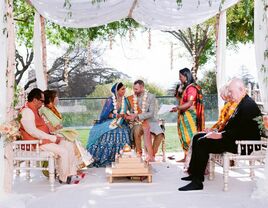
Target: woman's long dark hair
{"x": 50, "y": 95}
{"x": 187, "y": 73}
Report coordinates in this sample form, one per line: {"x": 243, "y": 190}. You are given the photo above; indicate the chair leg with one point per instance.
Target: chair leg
{"x": 226, "y": 163}
{"x": 251, "y": 170}
{"x": 51, "y": 169}
{"x": 17, "y": 166}
{"x": 27, "y": 164}
{"x": 211, "y": 166}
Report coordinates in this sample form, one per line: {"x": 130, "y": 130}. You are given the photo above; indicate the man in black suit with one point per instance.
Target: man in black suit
{"x": 240, "y": 126}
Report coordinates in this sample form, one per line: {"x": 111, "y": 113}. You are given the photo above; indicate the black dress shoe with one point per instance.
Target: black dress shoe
{"x": 194, "y": 185}
{"x": 187, "y": 178}
{"x": 190, "y": 178}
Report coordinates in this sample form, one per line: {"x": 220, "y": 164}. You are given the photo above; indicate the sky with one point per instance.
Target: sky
{"x": 154, "y": 64}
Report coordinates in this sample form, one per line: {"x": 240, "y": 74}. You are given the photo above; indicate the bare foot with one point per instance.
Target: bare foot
{"x": 150, "y": 159}
{"x": 139, "y": 154}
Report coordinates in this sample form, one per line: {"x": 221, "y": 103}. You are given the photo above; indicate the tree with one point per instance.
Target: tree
{"x": 240, "y": 22}
{"x": 22, "y": 64}
{"x": 104, "y": 90}
{"x": 248, "y": 79}
{"x": 199, "y": 42}
{"x": 208, "y": 83}
{"x": 74, "y": 76}
{"x": 24, "y": 19}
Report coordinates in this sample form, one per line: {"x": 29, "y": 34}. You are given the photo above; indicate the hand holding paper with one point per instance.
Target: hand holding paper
{"x": 165, "y": 109}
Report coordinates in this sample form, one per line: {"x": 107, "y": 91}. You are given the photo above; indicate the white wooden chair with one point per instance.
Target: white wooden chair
{"x": 28, "y": 151}
{"x": 256, "y": 158}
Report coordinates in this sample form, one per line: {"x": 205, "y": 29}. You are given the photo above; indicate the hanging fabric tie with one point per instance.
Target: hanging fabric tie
{"x": 132, "y": 8}
{"x": 130, "y": 34}
{"x": 66, "y": 66}
{"x": 111, "y": 40}
{"x": 171, "y": 56}
{"x": 149, "y": 39}
{"x": 89, "y": 53}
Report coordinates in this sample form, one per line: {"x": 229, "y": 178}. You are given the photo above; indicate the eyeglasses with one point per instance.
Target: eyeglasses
{"x": 42, "y": 101}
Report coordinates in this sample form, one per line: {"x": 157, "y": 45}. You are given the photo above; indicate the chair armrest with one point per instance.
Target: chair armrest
{"x": 27, "y": 142}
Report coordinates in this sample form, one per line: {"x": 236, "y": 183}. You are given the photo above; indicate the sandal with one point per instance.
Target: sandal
{"x": 172, "y": 157}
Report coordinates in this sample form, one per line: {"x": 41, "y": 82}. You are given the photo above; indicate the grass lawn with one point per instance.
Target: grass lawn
{"x": 172, "y": 141}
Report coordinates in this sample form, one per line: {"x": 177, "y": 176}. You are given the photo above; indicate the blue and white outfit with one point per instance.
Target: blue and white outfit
{"x": 106, "y": 140}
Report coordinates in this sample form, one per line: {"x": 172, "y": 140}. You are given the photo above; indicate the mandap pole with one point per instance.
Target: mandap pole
{"x": 10, "y": 60}
{"x": 220, "y": 54}
{"x": 44, "y": 46}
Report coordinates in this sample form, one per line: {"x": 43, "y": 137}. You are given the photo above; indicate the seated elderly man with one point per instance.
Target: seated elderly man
{"x": 33, "y": 127}
{"x": 240, "y": 126}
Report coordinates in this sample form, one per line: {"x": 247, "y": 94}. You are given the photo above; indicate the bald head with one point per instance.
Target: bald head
{"x": 237, "y": 89}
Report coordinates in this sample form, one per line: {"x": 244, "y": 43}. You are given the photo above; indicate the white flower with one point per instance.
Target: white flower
{"x": 143, "y": 105}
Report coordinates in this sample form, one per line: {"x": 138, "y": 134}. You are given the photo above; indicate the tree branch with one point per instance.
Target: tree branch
{"x": 29, "y": 83}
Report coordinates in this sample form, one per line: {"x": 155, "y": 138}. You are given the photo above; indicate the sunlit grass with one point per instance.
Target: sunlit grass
{"x": 172, "y": 141}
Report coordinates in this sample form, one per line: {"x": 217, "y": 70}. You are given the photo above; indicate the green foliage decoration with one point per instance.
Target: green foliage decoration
{"x": 56, "y": 34}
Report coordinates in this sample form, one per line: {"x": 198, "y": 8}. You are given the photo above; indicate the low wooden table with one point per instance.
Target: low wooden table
{"x": 129, "y": 167}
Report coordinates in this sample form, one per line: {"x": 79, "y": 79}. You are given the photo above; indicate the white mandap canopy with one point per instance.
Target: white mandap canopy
{"x": 155, "y": 14}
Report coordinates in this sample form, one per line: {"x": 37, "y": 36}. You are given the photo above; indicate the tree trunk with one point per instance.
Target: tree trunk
{"x": 195, "y": 66}
{"x": 10, "y": 61}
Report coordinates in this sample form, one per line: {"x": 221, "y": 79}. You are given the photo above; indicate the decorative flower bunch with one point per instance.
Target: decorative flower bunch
{"x": 10, "y": 130}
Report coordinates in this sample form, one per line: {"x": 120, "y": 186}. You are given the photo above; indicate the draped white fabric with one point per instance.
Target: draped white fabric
{"x": 156, "y": 14}
{"x": 2, "y": 166}
{"x": 220, "y": 56}
{"x": 38, "y": 63}
{"x": 3, "y": 67}
{"x": 261, "y": 47}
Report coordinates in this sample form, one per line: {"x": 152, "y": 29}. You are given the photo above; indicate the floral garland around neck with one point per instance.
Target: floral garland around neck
{"x": 143, "y": 104}
{"x": 116, "y": 121}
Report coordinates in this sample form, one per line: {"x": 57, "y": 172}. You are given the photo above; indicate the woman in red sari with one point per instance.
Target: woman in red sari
{"x": 190, "y": 110}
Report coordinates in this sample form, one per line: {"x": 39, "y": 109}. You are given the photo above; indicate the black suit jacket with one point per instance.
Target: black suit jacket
{"x": 241, "y": 125}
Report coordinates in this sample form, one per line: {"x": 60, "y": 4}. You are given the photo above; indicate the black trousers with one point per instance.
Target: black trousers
{"x": 201, "y": 147}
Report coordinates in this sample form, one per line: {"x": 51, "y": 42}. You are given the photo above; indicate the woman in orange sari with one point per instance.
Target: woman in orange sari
{"x": 190, "y": 110}
{"x": 226, "y": 111}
